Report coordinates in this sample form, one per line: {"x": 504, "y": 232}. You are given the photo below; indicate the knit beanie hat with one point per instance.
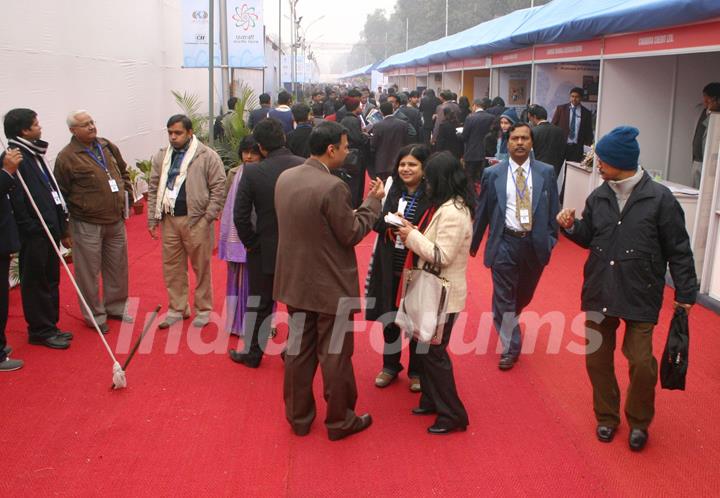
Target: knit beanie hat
{"x": 620, "y": 148}
{"x": 511, "y": 115}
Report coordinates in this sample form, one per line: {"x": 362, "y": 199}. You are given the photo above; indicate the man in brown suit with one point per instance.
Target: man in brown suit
{"x": 315, "y": 269}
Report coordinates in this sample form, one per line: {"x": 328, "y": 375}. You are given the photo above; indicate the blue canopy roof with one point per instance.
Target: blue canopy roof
{"x": 357, "y": 72}
{"x": 564, "y": 21}
{"x": 559, "y": 21}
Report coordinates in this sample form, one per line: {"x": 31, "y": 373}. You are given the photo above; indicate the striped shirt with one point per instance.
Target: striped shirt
{"x": 399, "y": 255}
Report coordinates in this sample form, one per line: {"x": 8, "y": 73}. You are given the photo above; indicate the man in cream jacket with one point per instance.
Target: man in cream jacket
{"x": 185, "y": 196}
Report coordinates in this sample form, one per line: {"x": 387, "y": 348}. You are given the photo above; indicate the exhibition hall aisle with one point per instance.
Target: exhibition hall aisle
{"x": 193, "y": 423}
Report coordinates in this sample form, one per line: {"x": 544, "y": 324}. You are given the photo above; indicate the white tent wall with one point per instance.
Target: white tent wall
{"x": 117, "y": 60}
{"x": 637, "y": 92}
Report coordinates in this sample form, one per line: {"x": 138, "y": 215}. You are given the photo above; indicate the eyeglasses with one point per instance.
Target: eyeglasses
{"x": 86, "y": 124}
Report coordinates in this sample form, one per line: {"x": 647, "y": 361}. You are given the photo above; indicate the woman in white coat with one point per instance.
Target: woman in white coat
{"x": 450, "y": 230}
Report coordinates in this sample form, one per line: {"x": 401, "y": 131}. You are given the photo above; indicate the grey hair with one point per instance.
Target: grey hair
{"x": 71, "y": 121}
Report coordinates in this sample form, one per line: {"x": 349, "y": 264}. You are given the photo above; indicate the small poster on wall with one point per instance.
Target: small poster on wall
{"x": 590, "y": 87}
{"x": 517, "y": 92}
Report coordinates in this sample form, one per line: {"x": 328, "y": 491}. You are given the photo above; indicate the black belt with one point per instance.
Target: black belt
{"x": 515, "y": 233}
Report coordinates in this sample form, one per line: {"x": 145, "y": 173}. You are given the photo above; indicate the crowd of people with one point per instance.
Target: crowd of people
{"x": 292, "y": 211}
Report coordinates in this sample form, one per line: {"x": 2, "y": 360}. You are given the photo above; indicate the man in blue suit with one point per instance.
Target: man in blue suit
{"x": 519, "y": 201}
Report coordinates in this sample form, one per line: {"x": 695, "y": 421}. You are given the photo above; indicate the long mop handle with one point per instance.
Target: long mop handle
{"x": 142, "y": 335}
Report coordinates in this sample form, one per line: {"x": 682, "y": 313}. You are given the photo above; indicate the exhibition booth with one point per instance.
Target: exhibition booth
{"x": 639, "y": 63}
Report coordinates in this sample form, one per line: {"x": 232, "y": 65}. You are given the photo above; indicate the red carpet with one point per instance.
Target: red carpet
{"x": 192, "y": 423}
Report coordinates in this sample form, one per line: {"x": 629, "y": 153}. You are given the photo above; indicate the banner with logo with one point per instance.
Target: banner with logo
{"x": 196, "y": 33}
{"x": 246, "y": 34}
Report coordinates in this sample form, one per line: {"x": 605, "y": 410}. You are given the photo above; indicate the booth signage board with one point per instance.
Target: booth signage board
{"x": 421, "y": 71}
{"x": 246, "y": 37}
{"x": 436, "y": 68}
{"x": 454, "y": 65}
{"x": 196, "y": 34}
{"x": 663, "y": 40}
{"x": 515, "y": 57}
{"x": 478, "y": 62}
{"x": 589, "y": 49}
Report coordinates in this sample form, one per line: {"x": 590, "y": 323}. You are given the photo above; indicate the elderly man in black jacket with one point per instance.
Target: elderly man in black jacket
{"x": 634, "y": 228}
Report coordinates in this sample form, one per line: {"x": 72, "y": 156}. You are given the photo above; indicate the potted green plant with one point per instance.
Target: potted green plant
{"x": 135, "y": 174}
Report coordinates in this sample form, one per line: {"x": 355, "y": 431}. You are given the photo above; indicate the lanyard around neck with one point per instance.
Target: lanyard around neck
{"x": 98, "y": 158}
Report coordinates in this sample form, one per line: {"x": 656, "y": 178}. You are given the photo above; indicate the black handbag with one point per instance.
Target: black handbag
{"x": 674, "y": 364}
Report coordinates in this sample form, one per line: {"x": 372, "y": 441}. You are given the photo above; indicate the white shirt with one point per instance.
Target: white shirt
{"x": 511, "y": 220}
{"x": 578, "y": 113}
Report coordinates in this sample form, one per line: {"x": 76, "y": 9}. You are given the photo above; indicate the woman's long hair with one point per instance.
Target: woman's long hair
{"x": 421, "y": 152}
{"x": 446, "y": 179}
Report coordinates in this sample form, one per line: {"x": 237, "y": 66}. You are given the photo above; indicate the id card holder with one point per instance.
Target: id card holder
{"x": 402, "y": 204}
{"x": 524, "y": 216}
{"x": 56, "y": 198}
{"x": 172, "y": 194}
{"x": 113, "y": 185}
{"x": 399, "y": 243}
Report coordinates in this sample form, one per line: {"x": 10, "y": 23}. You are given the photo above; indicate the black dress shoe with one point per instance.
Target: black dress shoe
{"x": 638, "y": 439}
{"x": 423, "y": 411}
{"x": 53, "y": 342}
{"x": 507, "y": 362}
{"x": 441, "y": 429}
{"x": 65, "y": 335}
{"x": 244, "y": 358}
{"x": 605, "y": 433}
{"x": 363, "y": 422}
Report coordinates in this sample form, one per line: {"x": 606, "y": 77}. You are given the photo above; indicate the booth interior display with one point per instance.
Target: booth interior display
{"x": 642, "y": 63}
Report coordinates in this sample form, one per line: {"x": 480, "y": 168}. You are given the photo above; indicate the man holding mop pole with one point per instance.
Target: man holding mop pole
{"x": 39, "y": 265}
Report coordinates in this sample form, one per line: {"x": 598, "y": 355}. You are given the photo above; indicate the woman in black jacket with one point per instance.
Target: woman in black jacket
{"x": 406, "y": 196}
{"x": 447, "y": 135}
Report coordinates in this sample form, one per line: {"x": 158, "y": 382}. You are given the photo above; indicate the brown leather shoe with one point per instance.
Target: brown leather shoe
{"x": 384, "y": 379}
{"x": 362, "y": 423}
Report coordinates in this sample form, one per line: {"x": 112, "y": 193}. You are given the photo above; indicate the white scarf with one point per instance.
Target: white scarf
{"x": 166, "y": 198}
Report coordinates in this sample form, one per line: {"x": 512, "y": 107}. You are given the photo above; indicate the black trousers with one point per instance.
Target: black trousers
{"x": 474, "y": 170}
{"x": 356, "y": 183}
{"x": 515, "y": 273}
{"x": 4, "y": 299}
{"x": 258, "y": 317}
{"x": 392, "y": 349}
{"x": 439, "y": 392}
{"x": 392, "y": 352}
{"x": 39, "y": 286}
